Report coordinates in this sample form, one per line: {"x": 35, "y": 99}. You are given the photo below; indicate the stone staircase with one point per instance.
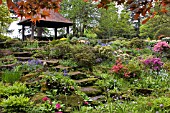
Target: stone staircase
{"x": 86, "y": 83}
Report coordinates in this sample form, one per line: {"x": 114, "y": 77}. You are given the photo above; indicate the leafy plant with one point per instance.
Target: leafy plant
{"x": 16, "y": 89}
{"x": 10, "y": 76}
{"x": 16, "y": 104}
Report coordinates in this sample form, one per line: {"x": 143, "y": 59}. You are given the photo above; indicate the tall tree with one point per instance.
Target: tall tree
{"x": 113, "y": 23}
{"x": 83, "y": 14}
{"x": 36, "y": 9}
{"x": 5, "y": 19}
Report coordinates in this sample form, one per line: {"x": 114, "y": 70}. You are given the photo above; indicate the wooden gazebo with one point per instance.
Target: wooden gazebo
{"x": 55, "y": 20}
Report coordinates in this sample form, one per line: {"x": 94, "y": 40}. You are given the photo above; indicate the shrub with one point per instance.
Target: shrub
{"x": 84, "y": 56}
{"x": 137, "y": 43}
{"x": 16, "y": 89}
{"x": 16, "y": 104}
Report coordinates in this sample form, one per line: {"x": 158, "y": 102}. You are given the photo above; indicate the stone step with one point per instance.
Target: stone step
{"x": 22, "y": 54}
{"x": 86, "y": 81}
{"x": 97, "y": 100}
{"x": 24, "y": 58}
{"x": 5, "y": 52}
{"x": 91, "y": 90}
{"x": 8, "y": 66}
{"x": 50, "y": 62}
{"x": 61, "y": 67}
{"x": 77, "y": 75}
{"x": 30, "y": 49}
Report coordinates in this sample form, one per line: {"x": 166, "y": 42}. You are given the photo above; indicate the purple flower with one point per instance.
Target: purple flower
{"x": 153, "y": 63}
{"x": 65, "y": 72}
{"x": 161, "y": 105}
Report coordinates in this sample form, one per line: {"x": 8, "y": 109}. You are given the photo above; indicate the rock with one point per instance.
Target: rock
{"x": 5, "y": 52}
{"x": 8, "y": 66}
{"x": 50, "y": 62}
{"x": 22, "y": 54}
{"x": 91, "y": 90}
{"x": 60, "y": 67}
{"x": 28, "y": 76}
{"x": 77, "y": 75}
{"x": 86, "y": 81}
{"x": 24, "y": 58}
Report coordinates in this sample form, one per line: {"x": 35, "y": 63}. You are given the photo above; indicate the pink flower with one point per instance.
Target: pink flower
{"x": 58, "y": 106}
{"x": 161, "y": 46}
{"x": 45, "y": 99}
{"x": 86, "y": 103}
{"x": 59, "y": 112}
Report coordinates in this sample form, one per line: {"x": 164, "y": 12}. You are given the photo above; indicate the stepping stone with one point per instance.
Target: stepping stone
{"x": 86, "y": 81}
{"x": 91, "y": 90}
{"x": 5, "y": 52}
{"x": 60, "y": 67}
{"x": 28, "y": 76}
{"x": 50, "y": 62}
{"x": 31, "y": 49}
{"x": 98, "y": 98}
{"x": 77, "y": 75}
{"x": 24, "y": 58}
{"x": 22, "y": 54}
{"x": 9, "y": 66}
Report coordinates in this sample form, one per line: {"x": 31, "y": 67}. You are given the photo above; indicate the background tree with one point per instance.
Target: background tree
{"x": 83, "y": 14}
{"x": 112, "y": 23}
{"x": 5, "y": 19}
{"x": 159, "y": 25}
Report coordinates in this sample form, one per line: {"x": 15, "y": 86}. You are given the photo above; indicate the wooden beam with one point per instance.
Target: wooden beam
{"x": 32, "y": 31}
{"x": 67, "y": 29}
{"x": 23, "y": 32}
{"x": 55, "y": 32}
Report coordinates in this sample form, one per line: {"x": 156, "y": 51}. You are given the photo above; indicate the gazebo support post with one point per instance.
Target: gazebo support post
{"x": 55, "y": 30}
{"x": 32, "y": 31}
{"x": 67, "y": 30}
{"x": 23, "y": 32}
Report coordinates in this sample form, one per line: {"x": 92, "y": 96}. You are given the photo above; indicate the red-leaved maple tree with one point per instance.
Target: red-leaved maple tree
{"x": 37, "y": 9}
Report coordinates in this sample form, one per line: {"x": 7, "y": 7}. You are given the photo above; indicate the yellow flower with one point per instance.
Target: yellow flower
{"x": 63, "y": 38}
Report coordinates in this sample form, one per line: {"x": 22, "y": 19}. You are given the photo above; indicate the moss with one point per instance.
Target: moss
{"x": 72, "y": 100}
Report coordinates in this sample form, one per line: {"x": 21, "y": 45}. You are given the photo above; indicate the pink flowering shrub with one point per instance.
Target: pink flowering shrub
{"x": 153, "y": 63}
{"x": 122, "y": 70}
{"x": 161, "y": 47}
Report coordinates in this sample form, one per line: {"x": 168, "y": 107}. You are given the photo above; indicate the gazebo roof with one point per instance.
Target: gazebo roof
{"x": 55, "y": 20}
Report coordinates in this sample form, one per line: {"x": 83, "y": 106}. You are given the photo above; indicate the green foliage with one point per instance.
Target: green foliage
{"x": 60, "y": 50}
{"x": 3, "y": 38}
{"x": 16, "y": 89}
{"x": 5, "y": 19}
{"x": 155, "y": 26}
{"x": 104, "y": 51}
{"x": 137, "y": 43}
{"x": 58, "y": 84}
{"x": 68, "y": 62}
{"x": 84, "y": 56}
{"x": 113, "y": 24}
{"x": 16, "y": 104}
{"x": 162, "y": 31}
{"x": 10, "y": 76}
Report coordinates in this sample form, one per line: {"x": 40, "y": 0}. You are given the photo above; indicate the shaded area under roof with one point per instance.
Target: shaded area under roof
{"x": 55, "y": 20}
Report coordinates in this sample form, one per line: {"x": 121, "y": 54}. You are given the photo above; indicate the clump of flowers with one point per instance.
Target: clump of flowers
{"x": 120, "y": 69}
{"x": 161, "y": 46}
{"x": 154, "y": 63}
{"x": 51, "y": 106}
